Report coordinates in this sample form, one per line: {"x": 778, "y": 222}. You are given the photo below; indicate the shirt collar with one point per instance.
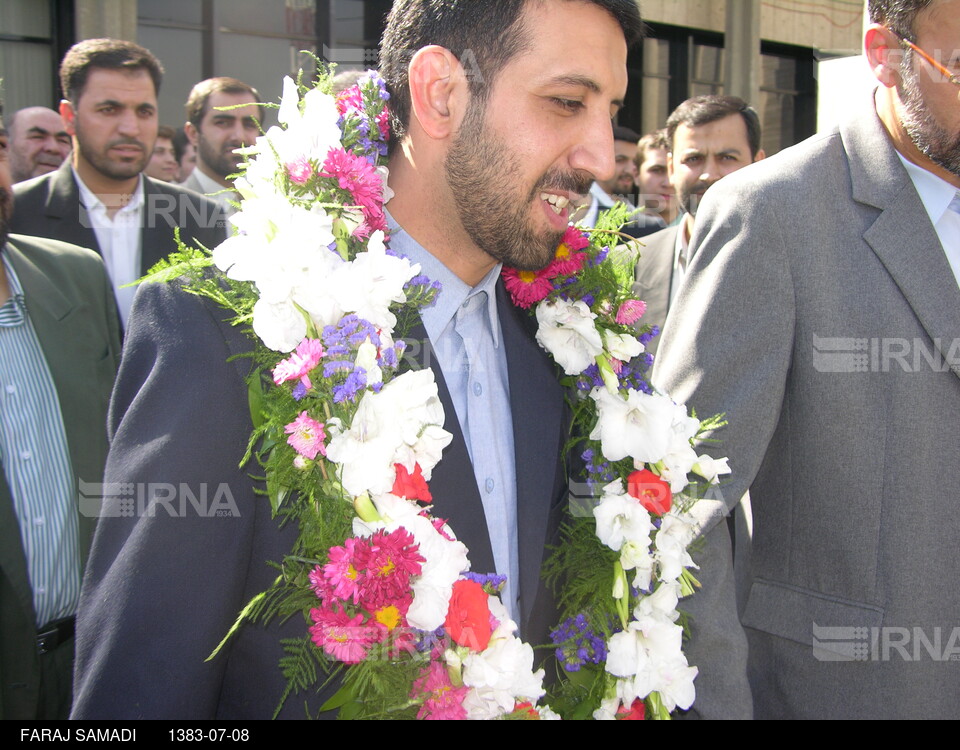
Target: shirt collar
{"x": 454, "y": 292}
{"x": 935, "y": 193}
{"x": 209, "y": 184}
{"x": 92, "y": 201}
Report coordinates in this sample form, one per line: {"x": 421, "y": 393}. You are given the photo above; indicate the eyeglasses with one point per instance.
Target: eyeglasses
{"x": 953, "y": 78}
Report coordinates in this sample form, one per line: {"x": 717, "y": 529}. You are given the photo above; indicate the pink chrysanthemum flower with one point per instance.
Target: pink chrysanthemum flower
{"x": 345, "y": 638}
{"x": 442, "y": 701}
{"x": 393, "y": 558}
{"x": 320, "y": 585}
{"x": 300, "y": 170}
{"x": 356, "y": 175}
{"x": 299, "y": 364}
{"x": 527, "y": 288}
{"x": 306, "y": 436}
{"x": 631, "y": 311}
{"x": 568, "y": 259}
{"x": 350, "y": 101}
{"x": 342, "y": 572}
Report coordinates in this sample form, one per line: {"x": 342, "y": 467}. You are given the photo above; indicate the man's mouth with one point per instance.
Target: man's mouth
{"x": 558, "y": 203}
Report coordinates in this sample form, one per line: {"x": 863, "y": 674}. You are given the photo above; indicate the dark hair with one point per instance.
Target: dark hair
{"x": 201, "y": 93}
{"x": 621, "y": 133}
{"x": 897, "y": 15}
{"x": 701, "y": 110}
{"x": 107, "y": 54}
{"x": 165, "y": 131}
{"x": 180, "y": 142}
{"x": 490, "y": 31}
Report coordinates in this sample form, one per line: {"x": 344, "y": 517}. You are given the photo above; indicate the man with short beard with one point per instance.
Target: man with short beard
{"x": 59, "y": 350}
{"x": 223, "y": 114}
{"x": 821, "y": 313}
{"x": 488, "y": 154}
{"x": 99, "y": 199}
{"x": 709, "y": 137}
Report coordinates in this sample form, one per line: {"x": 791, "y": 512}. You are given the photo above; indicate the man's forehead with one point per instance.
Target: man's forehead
{"x": 110, "y": 82}
{"x": 731, "y": 131}
{"x": 226, "y": 99}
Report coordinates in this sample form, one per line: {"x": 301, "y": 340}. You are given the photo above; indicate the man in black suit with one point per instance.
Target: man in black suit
{"x": 99, "y": 199}
{"x": 474, "y": 190}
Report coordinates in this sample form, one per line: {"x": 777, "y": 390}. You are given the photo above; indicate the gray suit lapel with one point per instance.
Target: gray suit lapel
{"x": 910, "y": 250}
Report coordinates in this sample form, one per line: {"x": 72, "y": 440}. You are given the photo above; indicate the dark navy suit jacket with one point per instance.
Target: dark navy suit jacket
{"x": 161, "y": 591}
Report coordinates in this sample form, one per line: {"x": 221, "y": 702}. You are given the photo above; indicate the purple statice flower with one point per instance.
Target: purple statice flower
{"x": 646, "y": 338}
{"x": 299, "y": 391}
{"x": 347, "y": 391}
{"x": 491, "y": 582}
{"x": 578, "y": 644}
{"x": 338, "y": 365}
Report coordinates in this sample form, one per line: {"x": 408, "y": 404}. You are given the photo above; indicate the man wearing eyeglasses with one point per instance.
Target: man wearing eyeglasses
{"x": 821, "y": 313}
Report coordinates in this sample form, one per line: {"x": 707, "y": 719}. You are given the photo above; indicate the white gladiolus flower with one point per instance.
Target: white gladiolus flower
{"x": 567, "y": 331}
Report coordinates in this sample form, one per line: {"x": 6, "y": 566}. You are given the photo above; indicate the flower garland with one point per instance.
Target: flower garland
{"x": 621, "y": 635}
{"x": 348, "y": 439}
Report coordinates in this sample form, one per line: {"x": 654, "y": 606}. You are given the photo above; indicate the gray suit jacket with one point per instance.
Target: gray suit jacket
{"x": 654, "y": 273}
{"x": 822, "y": 316}
{"x": 70, "y": 303}
{"x": 49, "y": 206}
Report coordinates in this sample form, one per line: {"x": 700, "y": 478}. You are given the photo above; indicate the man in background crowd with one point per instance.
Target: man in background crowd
{"x": 39, "y": 142}
{"x": 99, "y": 199}
{"x": 709, "y": 137}
{"x": 656, "y": 194}
{"x": 223, "y": 115}
{"x": 163, "y": 162}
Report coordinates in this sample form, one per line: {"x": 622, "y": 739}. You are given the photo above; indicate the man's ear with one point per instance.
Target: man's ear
{"x": 190, "y": 130}
{"x": 883, "y": 51}
{"x": 438, "y": 91}
{"x": 69, "y": 116}
{"x": 761, "y": 155}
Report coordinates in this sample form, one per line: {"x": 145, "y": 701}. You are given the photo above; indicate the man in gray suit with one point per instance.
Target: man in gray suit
{"x": 710, "y": 137}
{"x": 223, "y": 115}
{"x": 822, "y": 314}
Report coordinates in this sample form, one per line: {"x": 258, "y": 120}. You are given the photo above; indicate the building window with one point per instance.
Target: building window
{"x": 675, "y": 64}
{"x": 33, "y": 37}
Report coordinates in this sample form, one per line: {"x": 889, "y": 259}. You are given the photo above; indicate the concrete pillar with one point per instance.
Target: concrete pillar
{"x": 106, "y": 18}
{"x": 742, "y": 48}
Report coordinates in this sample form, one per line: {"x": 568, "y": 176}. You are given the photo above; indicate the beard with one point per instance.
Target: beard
{"x": 485, "y": 181}
{"x": 223, "y": 162}
{"x": 689, "y": 198}
{"x": 934, "y": 142}
{"x": 114, "y": 169}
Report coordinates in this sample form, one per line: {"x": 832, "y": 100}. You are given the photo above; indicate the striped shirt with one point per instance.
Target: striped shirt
{"x": 36, "y": 462}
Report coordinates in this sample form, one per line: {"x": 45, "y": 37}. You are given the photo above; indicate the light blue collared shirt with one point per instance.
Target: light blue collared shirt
{"x": 464, "y": 331}
{"x": 36, "y": 462}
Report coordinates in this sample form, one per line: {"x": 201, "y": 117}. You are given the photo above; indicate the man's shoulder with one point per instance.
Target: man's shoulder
{"x": 36, "y": 188}
{"x": 63, "y": 264}
{"x": 54, "y": 252}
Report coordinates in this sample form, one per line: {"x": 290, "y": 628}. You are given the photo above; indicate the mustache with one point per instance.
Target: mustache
{"x": 573, "y": 182}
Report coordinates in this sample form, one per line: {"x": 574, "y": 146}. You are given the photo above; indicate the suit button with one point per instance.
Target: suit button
{"x": 489, "y": 485}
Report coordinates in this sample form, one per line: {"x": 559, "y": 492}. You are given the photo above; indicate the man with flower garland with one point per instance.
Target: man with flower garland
{"x": 821, "y": 313}
{"x": 472, "y": 192}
